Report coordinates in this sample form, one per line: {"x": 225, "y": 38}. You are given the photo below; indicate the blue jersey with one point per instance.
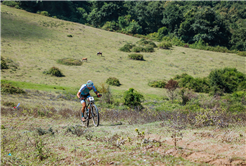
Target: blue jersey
{"x": 85, "y": 91}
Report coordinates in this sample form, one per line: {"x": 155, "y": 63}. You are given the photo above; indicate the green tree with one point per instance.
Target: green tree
{"x": 204, "y": 24}
{"x": 133, "y": 98}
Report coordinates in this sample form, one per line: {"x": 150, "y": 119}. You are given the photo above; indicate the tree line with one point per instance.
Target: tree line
{"x": 216, "y": 23}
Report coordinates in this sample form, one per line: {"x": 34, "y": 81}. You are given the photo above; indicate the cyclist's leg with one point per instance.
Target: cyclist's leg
{"x": 83, "y": 109}
{"x": 87, "y": 98}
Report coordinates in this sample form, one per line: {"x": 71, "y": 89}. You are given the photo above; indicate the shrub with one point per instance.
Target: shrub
{"x": 3, "y": 63}
{"x": 69, "y": 35}
{"x": 186, "y": 46}
{"x": 132, "y": 98}
{"x": 55, "y": 72}
{"x": 165, "y": 45}
{"x": 157, "y": 84}
{"x": 69, "y": 61}
{"x": 8, "y": 88}
{"x": 44, "y": 13}
{"x": 186, "y": 95}
{"x": 242, "y": 53}
{"x": 138, "y": 49}
{"x": 127, "y": 47}
{"x": 226, "y": 80}
{"x": 197, "y": 84}
{"x": 110, "y": 26}
{"x": 136, "y": 56}
{"x": 149, "y": 48}
{"x": 171, "y": 86}
{"x": 10, "y": 3}
{"x": 113, "y": 81}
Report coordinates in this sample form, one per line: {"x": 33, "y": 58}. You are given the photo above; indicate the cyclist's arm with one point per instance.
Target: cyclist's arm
{"x": 78, "y": 94}
{"x": 94, "y": 89}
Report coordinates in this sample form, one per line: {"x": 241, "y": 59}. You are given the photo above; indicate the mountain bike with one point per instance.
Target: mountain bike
{"x": 91, "y": 112}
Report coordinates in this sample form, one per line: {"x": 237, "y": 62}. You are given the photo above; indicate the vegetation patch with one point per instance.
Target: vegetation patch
{"x": 69, "y": 61}
{"x": 157, "y": 84}
{"x": 8, "y": 88}
{"x": 54, "y": 71}
{"x": 127, "y": 47}
{"x": 165, "y": 45}
{"x": 113, "y": 81}
{"x": 136, "y": 56}
{"x": 3, "y": 64}
{"x": 133, "y": 99}
{"x": 146, "y": 42}
{"x": 243, "y": 53}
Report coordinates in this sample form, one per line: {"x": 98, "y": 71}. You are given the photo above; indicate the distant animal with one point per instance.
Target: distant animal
{"x": 84, "y": 59}
{"x": 99, "y": 53}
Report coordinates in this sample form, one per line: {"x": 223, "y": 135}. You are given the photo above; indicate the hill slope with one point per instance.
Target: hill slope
{"x": 36, "y": 42}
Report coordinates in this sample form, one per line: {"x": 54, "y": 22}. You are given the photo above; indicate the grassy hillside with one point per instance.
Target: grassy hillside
{"x": 35, "y": 42}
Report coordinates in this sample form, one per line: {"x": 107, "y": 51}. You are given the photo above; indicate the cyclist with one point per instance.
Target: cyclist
{"x": 83, "y": 94}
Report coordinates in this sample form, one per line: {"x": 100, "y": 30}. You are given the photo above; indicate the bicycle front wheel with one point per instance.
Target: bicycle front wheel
{"x": 95, "y": 115}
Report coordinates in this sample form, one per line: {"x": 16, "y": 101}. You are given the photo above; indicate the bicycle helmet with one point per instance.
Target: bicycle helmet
{"x": 89, "y": 84}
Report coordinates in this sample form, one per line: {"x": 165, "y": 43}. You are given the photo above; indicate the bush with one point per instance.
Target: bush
{"x": 197, "y": 84}
{"x": 165, "y": 45}
{"x": 138, "y": 49}
{"x": 8, "y": 88}
{"x": 69, "y": 61}
{"x": 3, "y": 63}
{"x": 136, "y": 56}
{"x": 146, "y": 42}
{"x": 171, "y": 86}
{"x": 55, "y": 72}
{"x": 227, "y": 80}
{"x": 10, "y": 3}
{"x": 110, "y": 26}
{"x": 133, "y": 99}
{"x": 242, "y": 53}
{"x": 127, "y": 47}
{"x": 157, "y": 84}
{"x": 149, "y": 48}
{"x": 44, "y": 13}
{"x": 69, "y": 35}
{"x": 113, "y": 81}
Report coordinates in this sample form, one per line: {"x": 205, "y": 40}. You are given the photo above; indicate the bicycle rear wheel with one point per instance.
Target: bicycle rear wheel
{"x": 95, "y": 115}
{"x": 86, "y": 122}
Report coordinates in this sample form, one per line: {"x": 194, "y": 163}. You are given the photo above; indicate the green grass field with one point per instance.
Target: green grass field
{"x": 36, "y": 42}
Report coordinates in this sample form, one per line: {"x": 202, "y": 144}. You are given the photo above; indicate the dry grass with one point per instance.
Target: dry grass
{"x": 36, "y": 42}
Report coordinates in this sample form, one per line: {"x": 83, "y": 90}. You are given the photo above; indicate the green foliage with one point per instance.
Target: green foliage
{"x": 242, "y": 53}
{"x": 204, "y": 24}
{"x": 197, "y": 84}
{"x": 3, "y": 64}
{"x": 138, "y": 49}
{"x": 69, "y": 61}
{"x": 54, "y": 71}
{"x": 132, "y": 98}
{"x": 44, "y": 13}
{"x": 146, "y": 43}
{"x": 113, "y": 81}
{"x": 10, "y": 3}
{"x": 8, "y": 88}
{"x": 2, "y": 127}
{"x": 110, "y": 26}
{"x": 226, "y": 80}
{"x": 157, "y": 84}
{"x": 136, "y": 56}
{"x": 165, "y": 45}
{"x": 127, "y": 47}
{"x": 69, "y": 35}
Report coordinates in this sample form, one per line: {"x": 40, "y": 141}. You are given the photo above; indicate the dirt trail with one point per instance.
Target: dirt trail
{"x": 207, "y": 148}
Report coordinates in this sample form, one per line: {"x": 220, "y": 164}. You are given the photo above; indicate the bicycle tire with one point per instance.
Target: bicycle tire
{"x": 86, "y": 122}
{"x": 95, "y": 115}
